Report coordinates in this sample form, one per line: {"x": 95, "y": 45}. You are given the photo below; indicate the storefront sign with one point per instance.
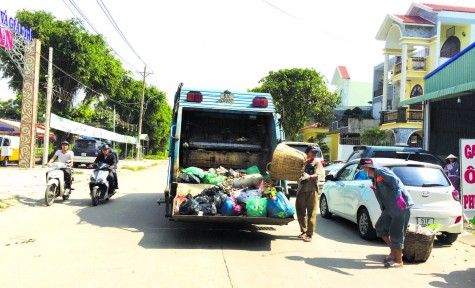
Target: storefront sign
{"x": 467, "y": 173}
{"x": 14, "y": 25}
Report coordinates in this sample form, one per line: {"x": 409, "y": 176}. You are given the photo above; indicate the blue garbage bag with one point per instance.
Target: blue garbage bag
{"x": 279, "y": 206}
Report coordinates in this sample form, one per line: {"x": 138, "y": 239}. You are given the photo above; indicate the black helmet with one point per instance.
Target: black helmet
{"x": 105, "y": 146}
{"x": 108, "y": 142}
{"x": 65, "y": 142}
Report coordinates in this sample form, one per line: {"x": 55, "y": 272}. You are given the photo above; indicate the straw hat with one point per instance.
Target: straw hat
{"x": 451, "y": 156}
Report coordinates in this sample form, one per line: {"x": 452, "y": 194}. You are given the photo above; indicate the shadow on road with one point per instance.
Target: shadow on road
{"x": 344, "y": 231}
{"x": 139, "y": 213}
{"x": 336, "y": 264}
{"x": 455, "y": 279}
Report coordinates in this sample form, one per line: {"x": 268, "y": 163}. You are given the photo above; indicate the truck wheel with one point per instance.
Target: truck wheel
{"x": 5, "y": 161}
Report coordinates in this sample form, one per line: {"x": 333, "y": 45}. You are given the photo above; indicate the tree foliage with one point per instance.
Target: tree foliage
{"x": 300, "y": 95}
{"x": 88, "y": 81}
{"x": 374, "y": 137}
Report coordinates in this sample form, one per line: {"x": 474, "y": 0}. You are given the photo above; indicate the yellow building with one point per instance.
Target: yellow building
{"x": 415, "y": 45}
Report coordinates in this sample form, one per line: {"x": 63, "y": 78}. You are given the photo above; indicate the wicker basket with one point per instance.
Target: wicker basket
{"x": 287, "y": 163}
{"x": 417, "y": 247}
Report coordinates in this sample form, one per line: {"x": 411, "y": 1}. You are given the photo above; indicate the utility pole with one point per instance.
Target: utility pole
{"x": 49, "y": 92}
{"x": 114, "y": 129}
{"x": 137, "y": 157}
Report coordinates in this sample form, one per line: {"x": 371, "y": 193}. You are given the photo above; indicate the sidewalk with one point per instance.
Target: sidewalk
{"x": 20, "y": 181}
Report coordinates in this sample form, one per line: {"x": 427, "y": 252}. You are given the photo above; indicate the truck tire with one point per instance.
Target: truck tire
{"x": 5, "y": 161}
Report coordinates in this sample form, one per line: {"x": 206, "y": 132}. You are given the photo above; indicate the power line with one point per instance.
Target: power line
{"x": 116, "y": 27}
{"x": 82, "y": 15}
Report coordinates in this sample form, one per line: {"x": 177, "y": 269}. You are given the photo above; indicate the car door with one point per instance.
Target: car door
{"x": 337, "y": 191}
{"x": 351, "y": 192}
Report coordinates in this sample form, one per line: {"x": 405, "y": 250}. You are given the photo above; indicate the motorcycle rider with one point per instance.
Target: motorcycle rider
{"x": 63, "y": 156}
{"x": 114, "y": 171}
{"x": 108, "y": 157}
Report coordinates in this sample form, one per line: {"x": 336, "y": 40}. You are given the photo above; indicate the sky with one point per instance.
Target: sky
{"x": 232, "y": 44}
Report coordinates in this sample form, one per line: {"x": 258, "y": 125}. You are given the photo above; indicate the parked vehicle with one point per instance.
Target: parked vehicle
{"x": 215, "y": 128}
{"x": 86, "y": 151}
{"x": 55, "y": 186}
{"x": 408, "y": 153}
{"x": 9, "y": 149}
{"x": 101, "y": 186}
{"x": 301, "y": 146}
{"x": 435, "y": 199}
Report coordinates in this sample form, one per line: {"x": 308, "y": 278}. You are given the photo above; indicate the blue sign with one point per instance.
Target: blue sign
{"x": 16, "y": 26}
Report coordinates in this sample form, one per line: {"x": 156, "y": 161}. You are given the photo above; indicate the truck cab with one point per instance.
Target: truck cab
{"x": 220, "y": 128}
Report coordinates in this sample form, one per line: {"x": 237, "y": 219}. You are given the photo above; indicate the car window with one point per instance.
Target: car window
{"x": 85, "y": 145}
{"x": 355, "y": 155}
{"x": 347, "y": 173}
{"x": 422, "y": 157}
{"x": 421, "y": 176}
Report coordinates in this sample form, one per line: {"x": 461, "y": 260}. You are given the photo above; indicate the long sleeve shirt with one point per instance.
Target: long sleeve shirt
{"x": 388, "y": 189}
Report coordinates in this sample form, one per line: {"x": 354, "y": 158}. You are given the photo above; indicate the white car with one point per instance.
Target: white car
{"x": 435, "y": 199}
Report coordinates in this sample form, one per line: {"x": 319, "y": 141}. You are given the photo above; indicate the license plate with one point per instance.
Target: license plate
{"x": 226, "y": 98}
{"x": 83, "y": 154}
{"x": 425, "y": 221}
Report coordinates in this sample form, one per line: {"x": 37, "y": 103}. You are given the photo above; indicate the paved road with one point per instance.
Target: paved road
{"x": 127, "y": 242}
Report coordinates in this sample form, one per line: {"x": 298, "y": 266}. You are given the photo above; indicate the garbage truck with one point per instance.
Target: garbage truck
{"x": 220, "y": 128}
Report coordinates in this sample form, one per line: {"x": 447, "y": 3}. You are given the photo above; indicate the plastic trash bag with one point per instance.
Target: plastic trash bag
{"x": 257, "y": 207}
{"x": 189, "y": 207}
{"x": 178, "y": 200}
{"x": 218, "y": 199}
{"x": 208, "y": 209}
{"x": 228, "y": 208}
{"x": 253, "y": 170}
{"x": 188, "y": 178}
{"x": 246, "y": 195}
{"x": 279, "y": 206}
{"x": 195, "y": 171}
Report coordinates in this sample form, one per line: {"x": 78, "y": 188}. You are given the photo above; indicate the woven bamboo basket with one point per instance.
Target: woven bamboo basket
{"x": 417, "y": 247}
{"x": 287, "y": 163}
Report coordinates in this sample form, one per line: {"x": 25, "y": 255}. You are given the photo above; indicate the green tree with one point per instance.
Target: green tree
{"x": 78, "y": 53}
{"x": 300, "y": 95}
{"x": 374, "y": 137}
{"x": 318, "y": 138}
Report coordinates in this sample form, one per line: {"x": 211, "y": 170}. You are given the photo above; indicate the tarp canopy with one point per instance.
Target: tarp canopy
{"x": 6, "y": 128}
{"x": 16, "y": 126}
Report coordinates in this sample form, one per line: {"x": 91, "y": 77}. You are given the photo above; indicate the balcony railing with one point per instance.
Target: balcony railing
{"x": 418, "y": 63}
{"x": 402, "y": 115}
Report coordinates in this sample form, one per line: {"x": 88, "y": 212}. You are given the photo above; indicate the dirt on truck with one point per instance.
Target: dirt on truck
{"x": 220, "y": 145}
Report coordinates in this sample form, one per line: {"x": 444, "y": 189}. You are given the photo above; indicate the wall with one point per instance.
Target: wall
{"x": 361, "y": 125}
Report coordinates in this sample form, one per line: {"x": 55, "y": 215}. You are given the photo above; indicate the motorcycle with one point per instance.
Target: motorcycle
{"x": 55, "y": 182}
{"x": 101, "y": 188}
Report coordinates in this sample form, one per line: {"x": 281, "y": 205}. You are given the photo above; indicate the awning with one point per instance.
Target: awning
{"x": 6, "y": 128}
{"x": 412, "y": 100}
{"x": 440, "y": 94}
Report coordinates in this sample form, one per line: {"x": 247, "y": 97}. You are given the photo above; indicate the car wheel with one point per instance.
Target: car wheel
{"x": 447, "y": 238}
{"x": 324, "y": 208}
{"x": 365, "y": 226}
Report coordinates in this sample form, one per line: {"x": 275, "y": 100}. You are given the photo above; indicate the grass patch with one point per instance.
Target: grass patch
{"x": 7, "y": 202}
{"x": 134, "y": 168}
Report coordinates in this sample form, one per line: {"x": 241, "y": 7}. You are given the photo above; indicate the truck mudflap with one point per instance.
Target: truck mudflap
{"x": 194, "y": 189}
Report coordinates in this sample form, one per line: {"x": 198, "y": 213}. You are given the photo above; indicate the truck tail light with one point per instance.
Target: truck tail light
{"x": 194, "y": 96}
{"x": 260, "y": 102}
{"x": 455, "y": 195}
{"x": 458, "y": 219}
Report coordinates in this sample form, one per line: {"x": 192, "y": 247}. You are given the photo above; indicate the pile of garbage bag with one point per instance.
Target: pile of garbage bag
{"x": 234, "y": 193}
